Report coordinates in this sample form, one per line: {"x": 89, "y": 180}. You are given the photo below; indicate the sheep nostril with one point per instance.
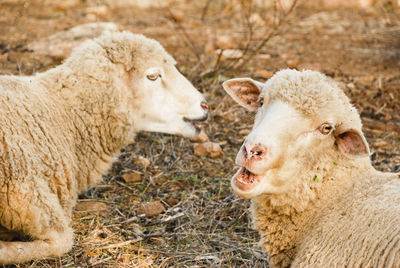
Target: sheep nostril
{"x": 257, "y": 151}
{"x": 204, "y": 105}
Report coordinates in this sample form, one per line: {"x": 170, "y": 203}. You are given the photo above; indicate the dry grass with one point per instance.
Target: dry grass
{"x": 205, "y": 224}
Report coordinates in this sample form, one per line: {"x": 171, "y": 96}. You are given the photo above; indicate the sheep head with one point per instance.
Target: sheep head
{"x": 301, "y": 117}
{"x": 162, "y": 98}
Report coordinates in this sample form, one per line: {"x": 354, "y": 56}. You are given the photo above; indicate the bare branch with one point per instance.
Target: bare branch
{"x": 188, "y": 41}
{"x": 272, "y": 33}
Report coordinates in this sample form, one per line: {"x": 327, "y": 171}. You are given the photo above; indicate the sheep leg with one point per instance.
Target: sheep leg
{"x": 36, "y": 214}
{"x": 56, "y": 244}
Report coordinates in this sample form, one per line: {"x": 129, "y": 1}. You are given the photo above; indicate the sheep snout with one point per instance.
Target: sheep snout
{"x": 204, "y": 105}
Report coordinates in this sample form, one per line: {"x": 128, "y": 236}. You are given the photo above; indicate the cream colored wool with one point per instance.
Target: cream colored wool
{"x": 59, "y": 132}
{"x": 350, "y": 218}
{"x": 350, "y": 215}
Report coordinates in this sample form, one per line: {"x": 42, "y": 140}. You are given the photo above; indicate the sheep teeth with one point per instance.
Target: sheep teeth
{"x": 246, "y": 177}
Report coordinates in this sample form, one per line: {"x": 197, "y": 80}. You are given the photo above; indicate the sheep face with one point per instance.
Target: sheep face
{"x": 285, "y": 137}
{"x": 167, "y": 101}
{"x": 162, "y": 98}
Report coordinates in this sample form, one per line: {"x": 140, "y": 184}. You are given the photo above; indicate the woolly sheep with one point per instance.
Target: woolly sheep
{"x": 60, "y": 130}
{"x": 316, "y": 199}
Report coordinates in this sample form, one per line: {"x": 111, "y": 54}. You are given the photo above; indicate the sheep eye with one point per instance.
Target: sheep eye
{"x": 325, "y": 128}
{"x": 261, "y": 101}
{"x": 153, "y": 77}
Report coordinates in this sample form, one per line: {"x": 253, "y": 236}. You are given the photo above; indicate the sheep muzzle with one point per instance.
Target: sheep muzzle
{"x": 245, "y": 180}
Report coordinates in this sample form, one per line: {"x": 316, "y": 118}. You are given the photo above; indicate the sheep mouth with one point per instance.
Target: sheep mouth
{"x": 245, "y": 180}
{"x": 195, "y": 122}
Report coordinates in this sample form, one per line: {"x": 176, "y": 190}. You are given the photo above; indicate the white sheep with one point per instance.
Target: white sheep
{"x": 60, "y": 129}
{"x": 316, "y": 199}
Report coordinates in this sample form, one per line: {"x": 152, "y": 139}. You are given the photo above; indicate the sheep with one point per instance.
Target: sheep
{"x": 316, "y": 200}
{"x": 60, "y": 130}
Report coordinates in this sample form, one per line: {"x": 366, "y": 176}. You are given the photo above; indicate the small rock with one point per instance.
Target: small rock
{"x": 91, "y": 17}
{"x": 225, "y": 42}
{"x": 177, "y": 15}
{"x": 285, "y": 5}
{"x": 155, "y": 171}
{"x": 366, "y": 3}
{"x": 310, "y": 66}
{"x": 263, "y": 74}
{"x": 151, "y": 209}
{"x": 230, "y": 54}
{"x": 63, "y": 5}
{"x": 347, "y": 3}
{"x": 172, "y": 201}
{"x": 244, "y": 132}
{"x": 98, "y": 11}
{"x": 90, "y": 207}
{"x": 92, "y": 254}
{"x": 223, "y": 143}
{"x": 256, "y": 20}
{"x": 202, "y": 137}
{"x": 284, "y": 56}
{"x": 200, "y": 149}
{"x": 137, "y": 3}
{"x": 227, "y": 117}
{"x": 142, "y": 162}
{"x": 125, "y": 259}
{"x": 293, "y": 63}
{"x": 264, "y": 57}
{"x": 135, "y": 176}
{"x": 351, "y": 86}
{"x": 210, "y": 149}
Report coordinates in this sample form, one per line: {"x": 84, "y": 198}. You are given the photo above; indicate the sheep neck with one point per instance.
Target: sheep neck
{"x": 283, "y": 220}
{"x": 92, "y": 101}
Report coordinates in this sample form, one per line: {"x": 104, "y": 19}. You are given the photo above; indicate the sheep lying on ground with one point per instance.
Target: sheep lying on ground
{"x": 60, "y": 130}
{"x": 316, "y": 199}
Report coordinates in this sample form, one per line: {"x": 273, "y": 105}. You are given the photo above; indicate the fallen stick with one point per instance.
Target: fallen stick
{"x": 121, "y": 244}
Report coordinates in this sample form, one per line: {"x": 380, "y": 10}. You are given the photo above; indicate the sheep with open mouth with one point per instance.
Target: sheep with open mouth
{"x": 316, "y": 199}
{"x": 60, "y": 130}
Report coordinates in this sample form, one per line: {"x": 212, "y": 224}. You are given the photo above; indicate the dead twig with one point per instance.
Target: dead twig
{"x": 272, "y": 33}
{"x": 188, "y": 41}
{"x": 126, "y": 186}
{"x": 205, "y": 9}
{"x": 120, "y": 244}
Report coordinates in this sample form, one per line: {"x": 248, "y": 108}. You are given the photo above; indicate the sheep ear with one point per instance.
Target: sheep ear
{"x": 244, "y": 91}
{"x": 116, "y": 53}
{"x": 352, "y": 142}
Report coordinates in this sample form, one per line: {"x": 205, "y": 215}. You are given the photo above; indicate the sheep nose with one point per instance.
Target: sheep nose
{"x": 204, "y": 105}
{"x": 256, "y": 152}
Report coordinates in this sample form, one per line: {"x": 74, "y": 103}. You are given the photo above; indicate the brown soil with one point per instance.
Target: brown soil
{"x": 205, "y": 224}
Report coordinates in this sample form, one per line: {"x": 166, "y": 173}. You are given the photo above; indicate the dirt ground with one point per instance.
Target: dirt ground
{"x": 204, "y": 223}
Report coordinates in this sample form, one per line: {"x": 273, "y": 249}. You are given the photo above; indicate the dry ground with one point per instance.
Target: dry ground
{"x": 205, "y": 224}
